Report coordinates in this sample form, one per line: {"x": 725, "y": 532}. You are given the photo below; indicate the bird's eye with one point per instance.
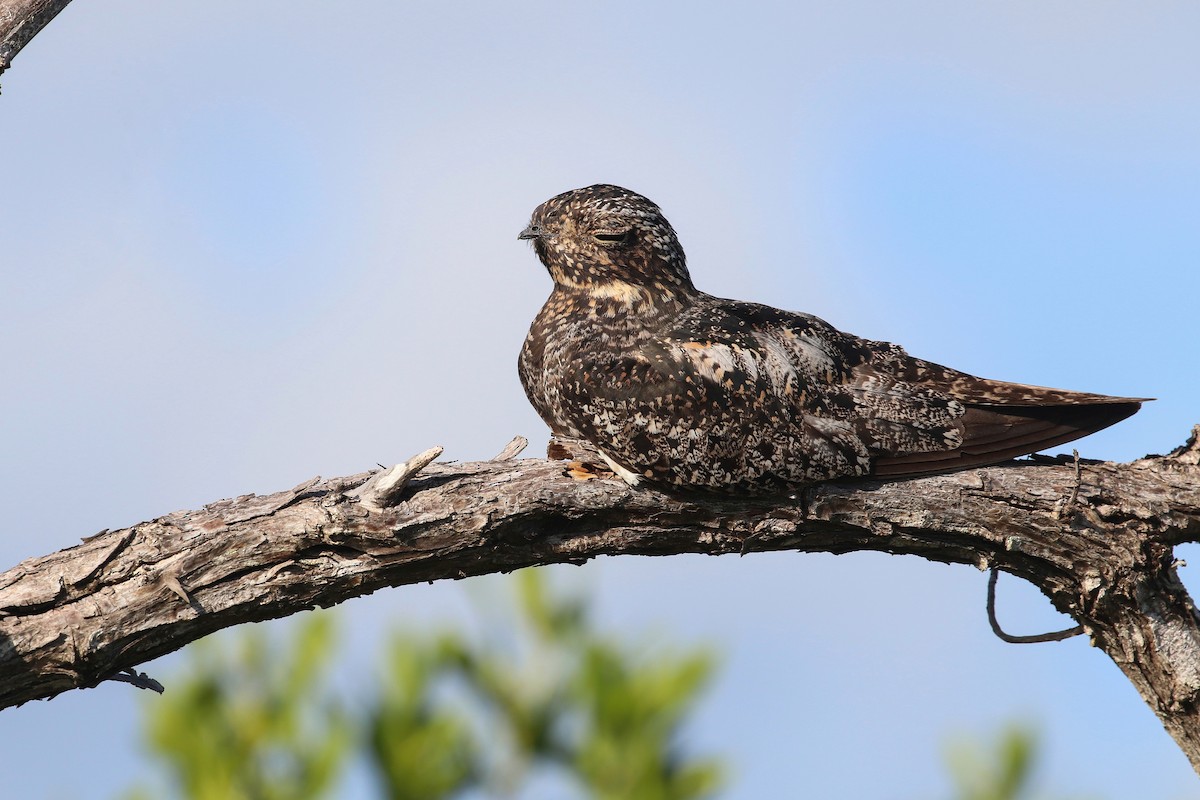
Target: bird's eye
{"x": 615, "y": 237}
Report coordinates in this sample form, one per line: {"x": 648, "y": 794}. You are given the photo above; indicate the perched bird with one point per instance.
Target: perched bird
{"x": 680, "y": 388}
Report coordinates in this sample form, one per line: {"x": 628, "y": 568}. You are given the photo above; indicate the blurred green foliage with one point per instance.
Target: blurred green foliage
{"x": 449, "y": 717}
{"x": 253, "y": 722}
{"x": 1002, "y": 771}
{"x": 1002, "y": 768}
{"x": 545, "y": 696}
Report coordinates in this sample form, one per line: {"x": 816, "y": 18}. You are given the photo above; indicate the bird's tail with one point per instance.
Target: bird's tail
{"x": 1007, "y": 420}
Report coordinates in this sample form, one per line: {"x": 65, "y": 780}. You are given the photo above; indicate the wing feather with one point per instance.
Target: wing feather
{"x": 740, "y": 396}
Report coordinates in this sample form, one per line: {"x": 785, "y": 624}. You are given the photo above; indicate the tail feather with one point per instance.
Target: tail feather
{"x": 1033, "y": 419}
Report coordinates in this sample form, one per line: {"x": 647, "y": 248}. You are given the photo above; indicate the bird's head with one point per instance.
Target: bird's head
{"x": 608, "y": 241}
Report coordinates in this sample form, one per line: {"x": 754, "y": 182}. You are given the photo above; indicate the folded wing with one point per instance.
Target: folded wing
{"x": 741, "y": 396}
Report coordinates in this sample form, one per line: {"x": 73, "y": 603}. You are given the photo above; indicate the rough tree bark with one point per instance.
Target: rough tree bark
{"x": 1095, "y": 537}
{"x": 20, "y": 21}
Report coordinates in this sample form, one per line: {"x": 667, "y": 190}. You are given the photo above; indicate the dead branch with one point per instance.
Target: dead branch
{"x": 20, "y": 21}
{"x": 1096, "y": 538}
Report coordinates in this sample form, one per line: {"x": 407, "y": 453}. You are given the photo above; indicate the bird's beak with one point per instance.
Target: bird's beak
{"x": 531, "y": 232}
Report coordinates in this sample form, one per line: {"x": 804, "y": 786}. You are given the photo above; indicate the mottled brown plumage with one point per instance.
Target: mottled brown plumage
{"x": 685, "y": 389}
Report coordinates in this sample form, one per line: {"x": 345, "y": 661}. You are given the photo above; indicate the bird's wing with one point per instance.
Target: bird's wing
{"x": 1005, "y": 420}
{"x": 741, "y": 395}
{"x": 993, "y": 420}
{"x": 729, "y": 395}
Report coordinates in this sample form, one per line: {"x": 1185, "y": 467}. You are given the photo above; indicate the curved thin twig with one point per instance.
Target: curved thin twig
{"x": 1056, "y": 636}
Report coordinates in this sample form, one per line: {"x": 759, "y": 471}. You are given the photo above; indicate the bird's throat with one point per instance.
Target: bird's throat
{"x": 621, "y": 298}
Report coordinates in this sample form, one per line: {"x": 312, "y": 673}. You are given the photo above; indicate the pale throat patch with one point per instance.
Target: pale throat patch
{"x": 621, "y": 291}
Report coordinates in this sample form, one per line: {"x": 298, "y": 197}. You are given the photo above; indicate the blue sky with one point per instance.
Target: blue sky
{"x": 246, "y": 244}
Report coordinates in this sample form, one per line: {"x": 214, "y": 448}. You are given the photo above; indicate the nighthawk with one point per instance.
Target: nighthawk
{"x": 684, "y": 389}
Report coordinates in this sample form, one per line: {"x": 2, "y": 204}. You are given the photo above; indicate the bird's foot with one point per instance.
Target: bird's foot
{"x": 587, "y": 471}
{"x": 587, "y": 461}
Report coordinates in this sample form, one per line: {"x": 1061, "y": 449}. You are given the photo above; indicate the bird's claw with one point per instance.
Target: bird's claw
{"x": 586, "y": 471}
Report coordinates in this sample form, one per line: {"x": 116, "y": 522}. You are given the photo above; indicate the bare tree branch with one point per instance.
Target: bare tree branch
{"x": 20, "y": 21}
{"x": 1096, "y": 538}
